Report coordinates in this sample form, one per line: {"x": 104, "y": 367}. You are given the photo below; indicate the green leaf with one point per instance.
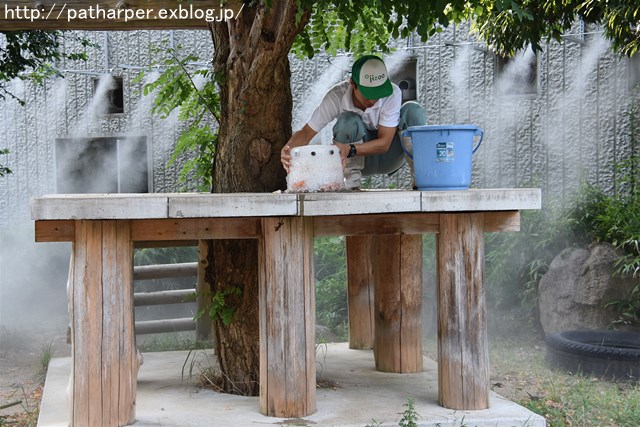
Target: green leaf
{"x": 198, "y": 108}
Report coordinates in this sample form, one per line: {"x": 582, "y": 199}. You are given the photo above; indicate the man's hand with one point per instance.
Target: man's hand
{"x": 301, "y": 137}
{"x": 285, "y": 157}
{"x": 344, "y": 152}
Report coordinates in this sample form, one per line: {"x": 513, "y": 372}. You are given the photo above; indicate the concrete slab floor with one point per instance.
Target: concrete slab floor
{"x": 352, "y": 393}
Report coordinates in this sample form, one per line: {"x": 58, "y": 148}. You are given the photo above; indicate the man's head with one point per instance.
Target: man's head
{"x": 370, "y": 76}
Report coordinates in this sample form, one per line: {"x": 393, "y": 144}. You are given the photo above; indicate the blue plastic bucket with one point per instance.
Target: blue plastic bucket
{"x": 442, "y": 155}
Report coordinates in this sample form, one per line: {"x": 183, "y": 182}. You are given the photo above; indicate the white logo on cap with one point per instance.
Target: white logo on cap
{"x": 373, "y": 73}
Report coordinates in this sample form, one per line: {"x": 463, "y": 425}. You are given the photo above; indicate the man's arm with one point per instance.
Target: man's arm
{"x": 300, "y": 137}
{"x": 379, "y": 145}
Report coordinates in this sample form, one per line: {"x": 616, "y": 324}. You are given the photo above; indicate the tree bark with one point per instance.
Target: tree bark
{"x": 252, "y": 67}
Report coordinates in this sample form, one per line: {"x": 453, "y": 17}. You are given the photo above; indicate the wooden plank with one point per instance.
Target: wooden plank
{"x": 411, "y": 303}
{"x": 463, "y": 357}
{"x": 99, "y": 206}
{"x": 296, "y": 309}
{"x": 55, "y": 231}
{"x": 145, "y": 206}
{"x": 92, "y": 323}
{"x": 501, "y": 221}
{"x": 360, "y": 202}
{"x": 111, "y": 319}
{"x": 232, "y": 205}
{"x": 386, "y": 262}
{"x": 360, "y": 287}
{"x": 80, "y": 361}
{"x": 361, "y": 225}
{"x": 113, "y": 14}
{"x": 493, "y": 199}
{"x": 104, "y": 353}
{"x": 275, "y": 310}
{"x": 309, "y": 313}
{"x": 130, "y": 358}
{"x": 195, "y": 229}
{"x": 264, "y": 296}
{"x": 164, "y": 244}
{"x": 287, "y": 331}
{"x": 397, "y": 267}
{"x": 174, "y": 230}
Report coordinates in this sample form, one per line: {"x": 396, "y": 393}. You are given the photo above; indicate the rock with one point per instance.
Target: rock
{"x": 579, "y": 283}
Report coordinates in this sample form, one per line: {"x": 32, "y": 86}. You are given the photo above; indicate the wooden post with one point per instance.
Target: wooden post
{"x": 360, "y": 292}
{"x": 463, "y": 355}
{"x": 287, "y": 318}
{"x": 105, "y": 363}
{"x": 204, "y": 324}
{"x": 397, "y": 267}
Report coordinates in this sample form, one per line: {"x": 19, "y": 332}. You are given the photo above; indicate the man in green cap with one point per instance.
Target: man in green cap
{"x": 370, "y": 116}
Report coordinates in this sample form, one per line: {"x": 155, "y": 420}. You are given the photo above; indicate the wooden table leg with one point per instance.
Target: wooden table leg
{"x": 397, "y": 267}
{"x": 105, "y": 363}
{"x": 360, "y": 292}
{"x": 287, "y": 318}
{"x": 463, "y": 355}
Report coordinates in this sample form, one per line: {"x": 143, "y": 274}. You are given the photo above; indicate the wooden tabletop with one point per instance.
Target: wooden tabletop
{"x": 205, "y": 205}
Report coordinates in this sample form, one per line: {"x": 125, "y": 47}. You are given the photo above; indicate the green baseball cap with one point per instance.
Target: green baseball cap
{"x": 371, "y": 76}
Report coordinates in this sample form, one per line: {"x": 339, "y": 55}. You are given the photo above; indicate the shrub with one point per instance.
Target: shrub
{"x": 331, "y": 285}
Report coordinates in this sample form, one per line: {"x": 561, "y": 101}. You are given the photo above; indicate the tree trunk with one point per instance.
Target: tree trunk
{"x": 252, "y": 65}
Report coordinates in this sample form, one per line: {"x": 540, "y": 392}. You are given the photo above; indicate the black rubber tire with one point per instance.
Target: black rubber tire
{"x": 609, "y": 354}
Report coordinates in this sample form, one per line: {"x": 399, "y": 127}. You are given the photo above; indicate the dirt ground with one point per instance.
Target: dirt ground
{"x": 21, "y": 372}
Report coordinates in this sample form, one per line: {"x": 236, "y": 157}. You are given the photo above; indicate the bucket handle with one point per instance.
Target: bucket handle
{"x": 406, "y": 133}
{"x": 477, "y": 132}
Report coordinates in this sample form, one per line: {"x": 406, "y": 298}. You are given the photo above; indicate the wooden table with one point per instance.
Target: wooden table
{"x": 384, "y": 254}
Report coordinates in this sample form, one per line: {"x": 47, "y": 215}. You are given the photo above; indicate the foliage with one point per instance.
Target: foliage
{"x": 198, "y": 106}
{"x": 29, "y": 55}
{"x": 516, "y": 262}
{"x": 506, "y": 25}
{"x": 331, "y": 285}
{"x": 220, "y": 308}
{"x": 409, "y": 415}
{"x": 615, "y": 218}
{"x": 509, "y": 25}
{"x": 367, "y": 26}
{"x": 330, "y": 31}
{"x": 46, "y": 354}
{"x": 519, "y": 373}
{"x": 3, "y": 169}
